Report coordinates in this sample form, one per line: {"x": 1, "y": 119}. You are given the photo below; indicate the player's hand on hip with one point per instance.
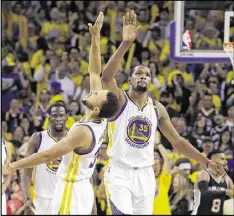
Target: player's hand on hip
{"x": 216, "y": 168}
{"x": 230, "y": 193}
{"x": 96, "y": 28}
{"x": 29, "y": 207}
{"x": 130, "y": 29}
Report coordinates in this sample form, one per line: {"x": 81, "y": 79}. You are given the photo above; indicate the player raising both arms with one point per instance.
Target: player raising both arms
{"x": 129, "y": 179}
{"x": 74, "y": 193}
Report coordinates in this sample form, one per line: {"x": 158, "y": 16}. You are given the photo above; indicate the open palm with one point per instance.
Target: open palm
{"x": 96, "y": 28}
{"x": 130, "y": 29}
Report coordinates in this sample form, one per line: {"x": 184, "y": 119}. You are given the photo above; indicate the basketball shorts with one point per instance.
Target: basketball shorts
{"x": 42, "y": 205}
{"x": 129, "y": 190}
{"x": 73, "y": 198}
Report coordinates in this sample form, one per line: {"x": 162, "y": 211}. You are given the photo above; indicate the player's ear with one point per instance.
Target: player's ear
{"x": 129, "y": 80}
{"x": 96, "y": 110}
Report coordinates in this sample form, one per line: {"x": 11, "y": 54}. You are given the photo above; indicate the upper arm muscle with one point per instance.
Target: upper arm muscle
{"x": 79, "y": 137}
{"x": 165, "y": 124}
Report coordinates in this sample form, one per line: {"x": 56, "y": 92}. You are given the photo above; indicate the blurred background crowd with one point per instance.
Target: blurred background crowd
{"x": 45, "y": 46}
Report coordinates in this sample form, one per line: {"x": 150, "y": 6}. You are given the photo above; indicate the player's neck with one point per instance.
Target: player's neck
{"x": 138, "y": 98}
{"x": 89, "y": 117}
{"x": 58, "y": 135}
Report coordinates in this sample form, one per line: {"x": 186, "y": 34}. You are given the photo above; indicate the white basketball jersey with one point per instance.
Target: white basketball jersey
{"x": 76, "y": 166}
{"x": 132, "y": 133}
{"x": 45, "y": 175}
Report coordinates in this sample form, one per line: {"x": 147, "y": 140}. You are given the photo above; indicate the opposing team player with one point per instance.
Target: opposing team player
{"x": 130, "y": 182}
{"x": 211, "y": 190}
{"x": 45, "y": 174}
{"x": 73, "y": 192}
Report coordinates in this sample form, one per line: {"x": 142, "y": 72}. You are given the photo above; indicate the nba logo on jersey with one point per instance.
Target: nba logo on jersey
{"x": 187, "y": 40}
{"x": 138, "y": 132}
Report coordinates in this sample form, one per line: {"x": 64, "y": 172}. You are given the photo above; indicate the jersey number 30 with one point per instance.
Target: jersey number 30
{"x": 95, "y": 158}
{"x": 216, "y": 204}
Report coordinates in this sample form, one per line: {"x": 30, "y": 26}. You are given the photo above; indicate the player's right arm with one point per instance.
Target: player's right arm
{"x": 95, "y": 54}
{"x": 130, "y": 32}
{"x": 26, "y": 176}
{"x": 79, "y": 137}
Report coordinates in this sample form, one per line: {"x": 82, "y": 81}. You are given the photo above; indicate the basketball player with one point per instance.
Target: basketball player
{"x": 73, "y": 192}
{"x": 130, "y": 182}
{"x": 45, "y": 174}
{"x": 210, "y": 190}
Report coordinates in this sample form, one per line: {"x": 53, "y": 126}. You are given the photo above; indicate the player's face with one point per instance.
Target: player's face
{"x": 221, "y": 160}
{"x": 141, "y": 79}
{"x": 58, "y": 118}
{"x": 95, "y": 99}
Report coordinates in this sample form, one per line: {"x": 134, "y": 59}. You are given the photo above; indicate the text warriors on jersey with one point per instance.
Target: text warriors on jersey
{"x": 138, "y": 131}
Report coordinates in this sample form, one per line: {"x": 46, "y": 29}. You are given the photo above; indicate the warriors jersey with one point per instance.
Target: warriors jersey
{"x": 45, "y": 175}
{"x": 75, "y": 165}
{"x": 211, "y": 205}
{"x": 132, "y": 134}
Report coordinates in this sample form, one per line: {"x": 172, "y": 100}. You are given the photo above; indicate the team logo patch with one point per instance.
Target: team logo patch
{"x": 138, "y": 131}
{"x": 53, "y": 165}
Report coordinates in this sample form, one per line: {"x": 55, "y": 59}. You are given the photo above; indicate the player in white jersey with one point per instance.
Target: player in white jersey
{"x": 74, "y": 193}
{"x": 45, "y": 174}
{"x": 129, "y": 178}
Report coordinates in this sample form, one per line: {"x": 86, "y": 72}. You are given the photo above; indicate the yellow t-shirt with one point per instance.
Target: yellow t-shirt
{"x": 161, "y": 200}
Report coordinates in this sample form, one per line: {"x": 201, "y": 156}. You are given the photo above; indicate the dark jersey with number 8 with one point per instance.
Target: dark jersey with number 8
{"x": 210, "y": 205}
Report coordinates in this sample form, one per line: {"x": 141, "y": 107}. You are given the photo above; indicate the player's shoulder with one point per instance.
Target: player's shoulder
{"x": 203, "y": 175}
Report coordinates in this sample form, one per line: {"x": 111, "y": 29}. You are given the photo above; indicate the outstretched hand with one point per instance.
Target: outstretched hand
{"x": 96, "y": 28}
{"x": 130, "y": 29}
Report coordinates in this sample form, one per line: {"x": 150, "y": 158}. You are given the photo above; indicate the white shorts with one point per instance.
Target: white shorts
{"x": 4, "y": 208}
{"x": 42, "y": 205}
{"x": 73, "y": 198}
{"x": 129, "y": 190}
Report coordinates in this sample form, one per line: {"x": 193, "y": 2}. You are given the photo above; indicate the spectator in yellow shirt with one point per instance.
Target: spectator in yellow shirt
{"x": 162, "y": 170}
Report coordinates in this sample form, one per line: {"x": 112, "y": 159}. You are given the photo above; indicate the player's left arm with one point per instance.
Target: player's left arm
{"x": 182, "y": 145}
{"x": 80, "y": 136}
{"x": 175, "y": 139}
{"x": 94, "y": 67}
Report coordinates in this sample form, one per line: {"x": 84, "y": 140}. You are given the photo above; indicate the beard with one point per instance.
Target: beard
{"x": 141, "y": 89}
{"x": 85, "y": 102}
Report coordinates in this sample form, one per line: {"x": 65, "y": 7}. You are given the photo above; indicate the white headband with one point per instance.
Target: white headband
{"x": 183, "y": 166}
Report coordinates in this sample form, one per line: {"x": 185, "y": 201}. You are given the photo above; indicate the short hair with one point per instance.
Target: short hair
{"x": 214, "y": 152}
{"x": 132, "y": 70}
{"x": 58, "y": 104}
{"x": 110, "y": 107}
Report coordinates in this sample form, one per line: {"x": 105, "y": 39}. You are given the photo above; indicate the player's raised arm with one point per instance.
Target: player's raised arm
{"x": 130, "y": 32}
{"x": 181, "y": 144}
{"x": 80, "y": 136}
{"x": 95, "y": 54}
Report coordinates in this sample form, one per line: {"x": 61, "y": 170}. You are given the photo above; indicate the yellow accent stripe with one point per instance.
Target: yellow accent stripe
{"x": 111, "y": 128}
{"x": 107, "y": 191}
{"x": 70, "y": 178}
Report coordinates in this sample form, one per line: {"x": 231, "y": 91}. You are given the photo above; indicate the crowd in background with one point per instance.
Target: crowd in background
{"x": 45, "y": 49}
